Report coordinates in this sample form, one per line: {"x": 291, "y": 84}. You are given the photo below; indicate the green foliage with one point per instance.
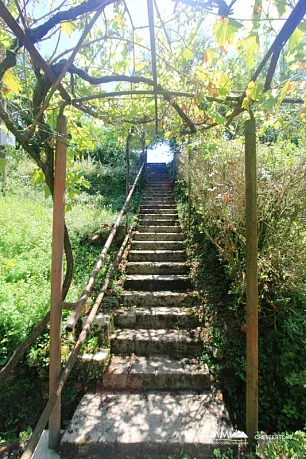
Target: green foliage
{"x": 228, "y": 454}
{"x": 109, "y": 151}
{"x": 218, "y": 221}
{"x": 25, "y": 251}
{"x": 219, "y": 197}
{"x": 286, "y": 446}
{"x": 25, "y": 257}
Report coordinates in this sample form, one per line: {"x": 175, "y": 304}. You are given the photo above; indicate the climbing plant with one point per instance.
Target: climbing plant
{"x": 203, "y": 79}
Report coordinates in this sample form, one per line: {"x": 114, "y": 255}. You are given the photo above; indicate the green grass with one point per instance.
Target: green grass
{"x": 25, "y": 251}
{"x": 25, "y": 260}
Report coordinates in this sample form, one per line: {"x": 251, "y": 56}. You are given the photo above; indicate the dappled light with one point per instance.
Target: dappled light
{"x": 163, "y": 306}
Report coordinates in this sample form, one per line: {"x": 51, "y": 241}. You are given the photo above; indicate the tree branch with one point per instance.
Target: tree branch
{"x": 285, "y": 33}
{"x": 72, "y": 14}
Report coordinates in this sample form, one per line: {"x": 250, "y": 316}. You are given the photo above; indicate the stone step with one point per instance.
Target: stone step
{"x": 158, "y": 317}
{"x": 150, "y": 342}
{"x": 155, "y": 373}
{"x": 165, "y": 216}
{"x": 156, "y": 193}
{"x": 152, "y": 424}
{"x": 139, "y": 236}
{"x": 156, "y": 188}
{"x": 158, "y": 229}
{"x": 158, "y": 299}
{"x": 159, "y": 197}
{"x": 158, "y": 179}
{"x": 158, "y": 221}
{"x": 157, "y": 245}
{"x": 152, "y": 282}
{"x": 167, "y": 202}
{"x": 157, "y": 255}
{"x": 154, "y": 205}
{"x": 147, "y": 267}
{"x": 158, "y": 210}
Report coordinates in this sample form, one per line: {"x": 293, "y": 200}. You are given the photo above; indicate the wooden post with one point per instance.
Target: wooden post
{"x": 251, "y": 280}
{"x": 145, "y": 165}
{"x": 153, "y": 57}
{"x": 127, "y": 177}
{"x": 4, "y": 172}
{"x": 57, "y": 277}
{"x": 145, "y": 158}
{"x": 189, "y": 187}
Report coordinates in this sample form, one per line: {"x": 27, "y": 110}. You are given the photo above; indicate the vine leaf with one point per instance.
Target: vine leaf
{"x": 209, "y": 55}
{"x": 295, "y": 39}
{"x": 286, "y": 88}
{"x": 281, "y": 7}
{"x": 11, "y": 83}
{"x": 251, "y": 45}
{"x": 68, "y": 28}
{"x": 225, "y": 31}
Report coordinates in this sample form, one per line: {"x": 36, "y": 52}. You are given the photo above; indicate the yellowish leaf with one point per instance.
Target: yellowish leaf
{"x": 11, "y": 82}
{"x": 209, "y": 55}
{"x": 68, "y": 28}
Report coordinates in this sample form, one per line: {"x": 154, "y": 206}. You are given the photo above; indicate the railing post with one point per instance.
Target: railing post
{"x": 144, "y": 152}
{"x": 145, "y": 164}
{"x": 127, "y": 177}
{"x": 251, "y": 280}
{"x": 189, "y": 187}
{"x": 57, "y": 277}
{"x": 4, "y": 171}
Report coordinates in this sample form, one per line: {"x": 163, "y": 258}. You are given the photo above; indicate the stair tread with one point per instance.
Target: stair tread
{"x": 160, "y": 234}
{"x": 158, "y": 263}
{"x": 160, "y": 310}
{"x": 140, "y": 364}
{"x": 150, "y": 236}
{"x": 157, "y": 276}
{"x": 160, "y": 335}
{"x": 165, "y": 420}
{"x": 158, "y": 215}
{"x": 158, "y": 251}
{"x": 158, "y": 229}
{"x": 157, "y": 244}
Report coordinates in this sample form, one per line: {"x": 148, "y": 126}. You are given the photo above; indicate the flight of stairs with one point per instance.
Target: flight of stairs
{"x": 157, "y": 396}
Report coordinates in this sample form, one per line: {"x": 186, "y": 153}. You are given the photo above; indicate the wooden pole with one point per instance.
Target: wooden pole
{"x": 144, "y": 155}
{"x": 41, "y": 424}
{"x": 153, "y": 54}
{"x": 189, "y": 187}
{"x": 146, "y": 165}
{"x": 4, "y": 172}
{"x": 79, "y": 305}
{"x": 57, "y": 278}
{"x": 127, "y": 177}
{"x": 251, "y": 280}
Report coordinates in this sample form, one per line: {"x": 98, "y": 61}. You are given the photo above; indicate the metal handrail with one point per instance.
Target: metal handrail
{"x": 79, "y": 305}
{"x": 42, "y": 422}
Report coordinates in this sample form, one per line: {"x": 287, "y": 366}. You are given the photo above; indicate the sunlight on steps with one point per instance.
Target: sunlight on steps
{"x": 155, "y": 396}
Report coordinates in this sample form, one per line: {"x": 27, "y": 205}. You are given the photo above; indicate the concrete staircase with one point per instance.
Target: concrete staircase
{"x": 157, "y": 396}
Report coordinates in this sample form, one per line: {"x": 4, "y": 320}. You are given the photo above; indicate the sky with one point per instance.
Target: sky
{"x": 138, "y": 9}
{"x": 160, "y": 153}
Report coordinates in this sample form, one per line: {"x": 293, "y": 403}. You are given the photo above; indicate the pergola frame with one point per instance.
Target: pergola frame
{"x": 58, "y": 376}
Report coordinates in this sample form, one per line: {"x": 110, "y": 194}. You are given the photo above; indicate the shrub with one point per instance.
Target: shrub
{"x": 218, "y": 219}
{"x": 218, "y": 196}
